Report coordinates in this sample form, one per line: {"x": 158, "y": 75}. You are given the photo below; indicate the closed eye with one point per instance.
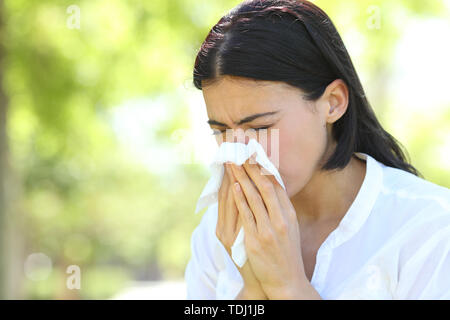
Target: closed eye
{"x": 222, "y": 131}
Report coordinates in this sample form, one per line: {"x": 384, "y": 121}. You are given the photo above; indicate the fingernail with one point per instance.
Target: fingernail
{"x": 237, "y": 187}
{"x": 229, "y": 172}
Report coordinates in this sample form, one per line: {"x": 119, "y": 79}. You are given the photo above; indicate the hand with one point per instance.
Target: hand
{"x": 228, "y": 226}
{"x": 272, "y": 234}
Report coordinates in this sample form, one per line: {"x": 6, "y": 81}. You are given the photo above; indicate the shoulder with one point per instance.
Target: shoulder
{"x": 204, "y": 265}
{"x": 204, "y": 242}
{"x": 208, "y": 223}
{"x": 410, "y": 210}
{"x": 411, "y": 191}
{"x": 418, "y": 213}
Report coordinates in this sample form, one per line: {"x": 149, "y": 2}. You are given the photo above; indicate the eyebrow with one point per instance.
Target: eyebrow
{"x": 245, "y": 120}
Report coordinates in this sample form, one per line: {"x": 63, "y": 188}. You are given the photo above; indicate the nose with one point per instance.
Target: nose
{"x": 239, "y": 135}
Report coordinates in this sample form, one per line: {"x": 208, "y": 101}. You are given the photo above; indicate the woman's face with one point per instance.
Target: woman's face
{"x": 304, "y": 127}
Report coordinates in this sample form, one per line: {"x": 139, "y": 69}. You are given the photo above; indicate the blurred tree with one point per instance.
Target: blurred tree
{"x": 84, "y": 198}
{"x": 81, "y": 191}
{"x": 3, "y": 157}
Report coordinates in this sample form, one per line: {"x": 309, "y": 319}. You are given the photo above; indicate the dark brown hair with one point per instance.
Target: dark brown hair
{"x": 295, "y": 42}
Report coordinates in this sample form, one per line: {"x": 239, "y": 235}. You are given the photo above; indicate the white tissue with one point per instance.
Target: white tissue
{"x": 237, "y": 153}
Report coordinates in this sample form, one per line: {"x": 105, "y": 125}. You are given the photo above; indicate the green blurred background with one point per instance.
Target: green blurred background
{"x": 104, "y": 148}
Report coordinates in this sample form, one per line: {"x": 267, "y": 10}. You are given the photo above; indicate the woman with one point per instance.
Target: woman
{"x": 356, "y": 220}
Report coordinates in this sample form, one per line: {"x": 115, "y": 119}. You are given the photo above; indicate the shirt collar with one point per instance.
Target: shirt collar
{"x": 361, "y": 207}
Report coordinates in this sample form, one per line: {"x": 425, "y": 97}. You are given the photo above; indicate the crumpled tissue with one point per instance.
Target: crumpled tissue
{"x": 237, "y": 153}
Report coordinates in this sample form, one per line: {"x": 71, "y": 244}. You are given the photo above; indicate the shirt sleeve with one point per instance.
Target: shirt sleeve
{"x": 202, "y": 271}
{"x": 426, "y": 275}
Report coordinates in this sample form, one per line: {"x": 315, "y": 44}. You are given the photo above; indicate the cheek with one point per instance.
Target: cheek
{"x": 300, "y": 149}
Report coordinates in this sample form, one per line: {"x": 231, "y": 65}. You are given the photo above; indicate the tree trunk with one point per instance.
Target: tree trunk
{"x": 3, "y": 155}
{"x": 11, "y": 238}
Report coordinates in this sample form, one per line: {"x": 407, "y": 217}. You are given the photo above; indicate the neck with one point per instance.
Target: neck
{"x": 329, "y": 194}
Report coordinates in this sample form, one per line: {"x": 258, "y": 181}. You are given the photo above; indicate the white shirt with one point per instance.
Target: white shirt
{"x": 393, "y": 243}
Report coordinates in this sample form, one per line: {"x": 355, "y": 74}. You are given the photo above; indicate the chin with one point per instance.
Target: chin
{"x": 289, "y": 193}
{"x": 292, "y": 190}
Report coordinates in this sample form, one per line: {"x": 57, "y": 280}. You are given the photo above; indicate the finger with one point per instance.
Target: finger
{"x": 232, "y": 211}
{"x": 248, "y": 220}
{"x": 288, "y": 209}
{"x": 238, "y": 222}
{"x": 224, "y": 185}
{"x": 254, "y": 199}
{"x": 222, "y": 197}
{"x": 283, "y": 198}
{"x": 265, "y": 187}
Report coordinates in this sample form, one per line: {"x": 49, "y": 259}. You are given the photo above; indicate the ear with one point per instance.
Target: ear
{"x": 335, "y": 99}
